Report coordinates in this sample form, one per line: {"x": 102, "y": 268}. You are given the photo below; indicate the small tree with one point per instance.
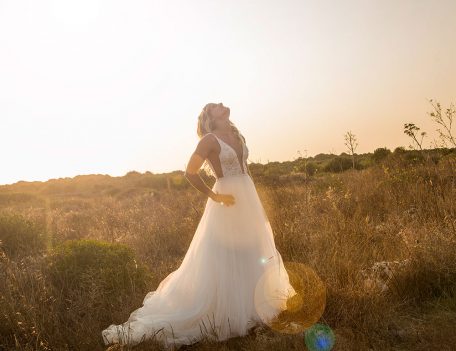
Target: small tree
{"x": 444, "y": 120}
{"x": 351, "y": 144}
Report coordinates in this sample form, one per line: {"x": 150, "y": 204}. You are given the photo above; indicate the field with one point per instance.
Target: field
{"x": 382, "y": 238}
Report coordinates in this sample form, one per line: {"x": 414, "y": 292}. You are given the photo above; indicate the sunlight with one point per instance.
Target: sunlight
{"x": 75, "y": 14}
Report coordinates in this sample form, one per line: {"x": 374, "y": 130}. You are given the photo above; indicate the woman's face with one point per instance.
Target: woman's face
{"x": 219, "y": 113}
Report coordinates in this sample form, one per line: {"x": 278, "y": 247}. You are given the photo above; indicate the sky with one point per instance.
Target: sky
{"x": 108, "y": 87}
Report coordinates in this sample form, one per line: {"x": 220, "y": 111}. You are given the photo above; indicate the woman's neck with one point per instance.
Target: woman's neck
{"x": 224, "y": 130}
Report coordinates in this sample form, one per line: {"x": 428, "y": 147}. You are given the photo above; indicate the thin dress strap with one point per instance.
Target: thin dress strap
{"x": 218, "y": 139}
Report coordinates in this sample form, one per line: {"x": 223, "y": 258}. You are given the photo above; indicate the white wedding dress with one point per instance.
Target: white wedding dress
{"x": 231, "y": 278}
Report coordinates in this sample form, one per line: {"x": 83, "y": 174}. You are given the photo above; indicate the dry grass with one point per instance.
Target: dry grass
{"x": 382, "y": 239}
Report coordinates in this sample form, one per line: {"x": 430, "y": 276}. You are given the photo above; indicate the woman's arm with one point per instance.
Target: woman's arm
{"x": 201, "y": 152}
{"x": 191, "y": 173}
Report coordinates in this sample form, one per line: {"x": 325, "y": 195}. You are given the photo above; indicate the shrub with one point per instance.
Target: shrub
{"x": 399, "y": 150}
{"x": 380, "y": 154}
{"x": 95, "y": 283}
{"x": 414, "y": 156}
{"x": 338, "y": 164}
{"x": 83, "y": 264}
{"x": 311, "y": 168}
{"x": 20, "y": 237}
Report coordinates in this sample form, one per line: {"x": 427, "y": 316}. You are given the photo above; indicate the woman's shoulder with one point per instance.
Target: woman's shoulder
{"x": 208, "y": 138}
{"x": 206, "y": 145}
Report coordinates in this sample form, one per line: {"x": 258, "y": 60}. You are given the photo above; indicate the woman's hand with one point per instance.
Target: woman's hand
{"x": 224, "y": 199}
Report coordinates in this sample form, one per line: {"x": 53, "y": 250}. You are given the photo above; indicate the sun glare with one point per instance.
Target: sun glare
{"x": 75, "y": 14}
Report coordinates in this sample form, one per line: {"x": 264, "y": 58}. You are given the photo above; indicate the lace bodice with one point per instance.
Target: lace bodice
{"x": 230, "y": 160}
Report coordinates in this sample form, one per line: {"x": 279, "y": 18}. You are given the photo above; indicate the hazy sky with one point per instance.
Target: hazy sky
{"x": 91, "y": 86}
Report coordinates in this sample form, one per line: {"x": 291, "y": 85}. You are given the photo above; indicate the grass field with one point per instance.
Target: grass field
{"x": 383, "y": 239}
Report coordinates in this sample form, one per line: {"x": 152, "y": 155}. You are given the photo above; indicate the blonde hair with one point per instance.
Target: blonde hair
{"x": 206, "y": 125}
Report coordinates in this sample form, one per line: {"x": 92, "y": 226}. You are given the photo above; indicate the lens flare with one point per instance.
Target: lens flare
{"x": 291, "y": 301}
{"x": 319, "y": 337}
{"x": 264, "y": 260}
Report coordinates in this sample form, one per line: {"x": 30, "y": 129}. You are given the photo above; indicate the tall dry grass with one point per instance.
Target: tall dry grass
{"x": 383, "y": 240}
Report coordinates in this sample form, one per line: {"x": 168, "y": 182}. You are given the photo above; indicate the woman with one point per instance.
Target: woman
{"x": 232, "y": 277}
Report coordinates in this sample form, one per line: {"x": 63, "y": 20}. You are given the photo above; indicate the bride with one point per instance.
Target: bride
{"x": 232, "y": 277}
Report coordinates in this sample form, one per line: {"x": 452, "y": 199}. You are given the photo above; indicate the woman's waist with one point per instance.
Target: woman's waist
{"x": 232, "y": 176}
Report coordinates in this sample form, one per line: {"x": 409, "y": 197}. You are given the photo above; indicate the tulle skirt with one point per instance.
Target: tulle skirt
{"x": 232, "y": 278}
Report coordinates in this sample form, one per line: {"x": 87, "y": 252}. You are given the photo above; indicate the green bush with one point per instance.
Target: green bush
{"x": 311, "y": 168}
{"x": 87, "y": 265}
{"x": 305, "y": 166}
{"x": 399, "y": 150}
{"x": 380, "y": 154}
{"x": 21, "y": 237}
{"x": 414, "y": 156}
{"x": 338, "y": 164}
